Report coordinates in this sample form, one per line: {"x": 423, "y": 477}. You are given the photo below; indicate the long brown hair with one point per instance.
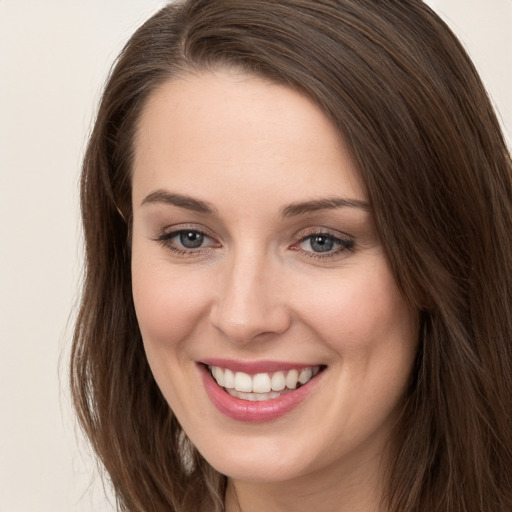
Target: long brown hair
{"x": 412, "y": 109}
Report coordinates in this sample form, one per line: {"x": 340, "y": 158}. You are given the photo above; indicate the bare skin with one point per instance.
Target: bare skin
{"x": 253, "y": 241}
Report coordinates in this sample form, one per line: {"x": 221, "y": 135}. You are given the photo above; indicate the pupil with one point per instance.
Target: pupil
{"x": 191, "y": 240}
{"x": 322, "y": 244}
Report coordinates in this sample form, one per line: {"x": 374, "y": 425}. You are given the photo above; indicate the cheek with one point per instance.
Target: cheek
{"x": 169, "y": 304}
{"x": 364, "y": 312}
{"x": 373, "y": 338}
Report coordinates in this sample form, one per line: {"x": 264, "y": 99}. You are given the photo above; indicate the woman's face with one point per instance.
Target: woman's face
{"x": 255, "y": 258}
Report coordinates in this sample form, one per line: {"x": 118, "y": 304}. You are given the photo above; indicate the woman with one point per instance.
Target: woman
{"x": 297, "y": 296}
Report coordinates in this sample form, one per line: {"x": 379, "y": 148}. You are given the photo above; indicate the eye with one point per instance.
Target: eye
{"x": 318, "y": 243}
{"x": 324, "y": 245}
{"x": 189, "y": 239}
{"x": 185, "y": 241}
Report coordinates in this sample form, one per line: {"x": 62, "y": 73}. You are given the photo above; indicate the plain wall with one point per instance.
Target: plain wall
{"x": 54, "y": 57}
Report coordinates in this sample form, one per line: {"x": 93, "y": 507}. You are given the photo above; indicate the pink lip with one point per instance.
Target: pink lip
{"x": 254, "y": 367}
{"x": 255, "y": 412}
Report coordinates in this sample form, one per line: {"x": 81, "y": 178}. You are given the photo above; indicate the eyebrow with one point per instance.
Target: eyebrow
{"x": 292, "y": 210}
{"x": 330, "y": 203}
{"x": 180, "y": 200}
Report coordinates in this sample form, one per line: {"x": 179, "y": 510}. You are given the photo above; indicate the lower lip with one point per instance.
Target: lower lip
{"x": 255, "y": 412}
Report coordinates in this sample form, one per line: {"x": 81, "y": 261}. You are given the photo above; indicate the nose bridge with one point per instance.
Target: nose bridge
{"x": 248, "y": 303}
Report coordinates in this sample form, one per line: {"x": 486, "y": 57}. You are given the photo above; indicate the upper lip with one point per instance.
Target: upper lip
{"x": 254, "y": 367}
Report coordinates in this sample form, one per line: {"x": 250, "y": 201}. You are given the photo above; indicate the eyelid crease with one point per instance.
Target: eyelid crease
{"x": 336, "y": 238}
{"x": 319, "y": 231}
{"x": 172, "y": 230}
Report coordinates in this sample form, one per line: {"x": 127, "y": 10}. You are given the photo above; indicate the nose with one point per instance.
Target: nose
{"x": 250, "y": 303}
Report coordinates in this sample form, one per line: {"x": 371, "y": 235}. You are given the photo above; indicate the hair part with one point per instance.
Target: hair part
{"x": 412, "y": 110}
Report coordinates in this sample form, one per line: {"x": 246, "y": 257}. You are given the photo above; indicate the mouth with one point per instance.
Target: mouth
{"x": 262, "y": 386}
{"x": 255, "y": 395}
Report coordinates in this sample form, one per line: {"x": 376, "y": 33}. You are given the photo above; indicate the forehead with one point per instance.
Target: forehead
{"x": 244, "y": 131}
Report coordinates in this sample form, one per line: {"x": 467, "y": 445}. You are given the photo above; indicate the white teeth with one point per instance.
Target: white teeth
{"x": 263, "y": 384}
{"x": 229, "y": 379}
{"x": 243, "y": 382}
{"x": 218, "y": 374}
{"x": 291, "y": 379}
{"x": 278, "y": 381}
{"x": 305, "y": 375}
{"x": 254, "y": 397}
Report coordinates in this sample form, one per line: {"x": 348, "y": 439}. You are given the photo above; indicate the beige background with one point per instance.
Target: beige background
{"x": 54, "y": 56}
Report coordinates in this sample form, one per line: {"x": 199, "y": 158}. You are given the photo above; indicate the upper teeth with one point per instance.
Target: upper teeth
{"x": 262, "y": 382}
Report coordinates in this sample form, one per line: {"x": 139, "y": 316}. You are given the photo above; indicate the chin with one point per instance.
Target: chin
{"x": 255, "y": 466}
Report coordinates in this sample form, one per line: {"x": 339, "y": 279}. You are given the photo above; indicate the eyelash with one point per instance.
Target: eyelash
{"x": 343, "y": 244}
{"x": 166, "y": 240}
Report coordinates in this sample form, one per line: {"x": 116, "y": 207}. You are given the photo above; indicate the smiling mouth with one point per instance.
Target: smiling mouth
{"x": 262, "y": 386}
